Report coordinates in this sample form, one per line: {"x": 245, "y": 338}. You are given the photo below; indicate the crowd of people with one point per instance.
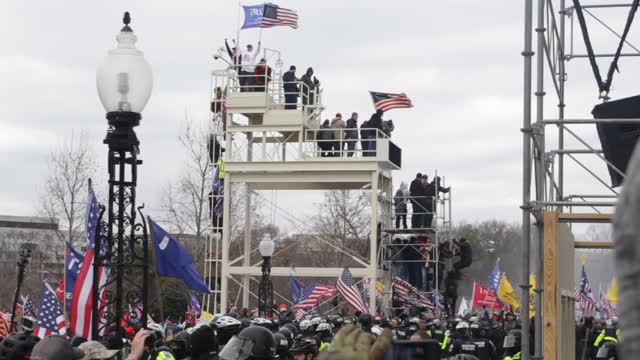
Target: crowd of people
{"x": 234, "y": 336}
{"x": 340, "y": 138}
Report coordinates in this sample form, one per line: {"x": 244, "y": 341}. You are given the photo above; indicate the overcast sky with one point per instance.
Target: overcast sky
{"x": 459, "y": 61}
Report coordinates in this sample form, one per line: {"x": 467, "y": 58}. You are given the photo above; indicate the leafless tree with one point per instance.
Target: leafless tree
{"x": 71, "y": 165}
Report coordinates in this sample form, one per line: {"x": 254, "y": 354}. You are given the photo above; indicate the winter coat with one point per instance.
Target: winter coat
{"x": 400, "y": 202}
{"x": 351, "y": 134}
{"x": 290, "y": 84}
{"x": 364, "y": 130}
{"x": 325, "y": 135}
{"x": 259, "y": 74}
{"x": 339, "y": 125}
{"x": 375, "y": 122}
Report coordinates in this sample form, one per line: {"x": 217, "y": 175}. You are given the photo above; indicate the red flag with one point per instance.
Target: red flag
{"x": 190, "y": 318}
{"x": 60, "y": 290}
{"x": 483, "y": 296}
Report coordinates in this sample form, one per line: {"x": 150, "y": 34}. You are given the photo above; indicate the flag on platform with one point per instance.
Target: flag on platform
{"x": 506, "y": 293}
{"x": 82, "y": 298}
{"x": 273, "y": 15}
{"x": 50, "y": 318}
{"x": 311, "y": 295}
{"x": 73, "y": 263}
{"x": 4, "y": 323}
{"x": 408, "y": 295}
{"x": 463, "y": 309}
{"x": 385, "y": 101}
{"x": 173, "y": 259}
{"x": 252, "y": 16}
{"x": 483, "y": 296}
{"x": 349, "y": 291}
{"x": 585, "y": 295}
{"x": 195, "y": 306}
{"x": 296, "y": 289}
{"x": 612, "y": 294}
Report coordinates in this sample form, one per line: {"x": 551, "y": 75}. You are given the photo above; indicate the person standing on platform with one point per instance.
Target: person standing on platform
{"x": 364, "y": 138}
{"x": 291, "y": 88}
{"x": 431, "y": 192}
{"x": 325, "y": 139}
{"x": 418, "y": 201}
{"x": 309, "y": 88}
{"x": 235, "y": 57}
{"x": 338, "y": 125}
{"x": 351, "y": 134}
{"x": 261, "y": 76}
{"x": 249, "y": 59}
{"x": 400, "y": 203}
{"x": 375, "y": 126}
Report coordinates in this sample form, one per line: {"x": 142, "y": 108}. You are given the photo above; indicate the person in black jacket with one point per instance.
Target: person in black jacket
{"x": 417, "y": 194}
{"x": 291, "y": 89}
{"x": 351, "y": 134}
{"x": 325, "y": 139}
{"x": 465, "y": 254}
{"x": 375, "y": 125}
{"x": 430, "y": 193}
{"x": 364, "y": 138}
{"x": 234, "y": 55}
{"x": 311, "y": 87}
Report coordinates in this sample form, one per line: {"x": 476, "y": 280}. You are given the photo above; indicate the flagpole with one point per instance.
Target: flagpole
{"x": 156, "y": 277}
{"x": 238, "y": 33}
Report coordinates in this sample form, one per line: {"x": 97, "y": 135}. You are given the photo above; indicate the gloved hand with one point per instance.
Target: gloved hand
{"x": 352, "y": 343}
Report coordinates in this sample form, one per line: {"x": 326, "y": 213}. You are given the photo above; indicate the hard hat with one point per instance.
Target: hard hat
{"x": 462, "y": 325}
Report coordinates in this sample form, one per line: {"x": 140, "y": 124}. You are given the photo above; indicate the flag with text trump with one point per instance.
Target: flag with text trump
{"x": 484, "y": 297}
{"x": 50, "y": 319}
{"x": 349, "y": 291}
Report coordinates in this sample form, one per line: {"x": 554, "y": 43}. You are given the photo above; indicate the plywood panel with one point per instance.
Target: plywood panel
{"x": 550, "y": 282}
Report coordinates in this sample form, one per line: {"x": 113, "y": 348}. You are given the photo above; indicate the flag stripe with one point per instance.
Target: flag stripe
{"x": 386, "y": 101}
{"x": 284, "y": 17}
{"x": 349, "y": 291}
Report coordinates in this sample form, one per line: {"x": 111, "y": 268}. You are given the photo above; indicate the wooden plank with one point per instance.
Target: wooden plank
{"x": 550, "y": 282}
{"x": 584, "y": 218}
{"x": 593, "y": 245}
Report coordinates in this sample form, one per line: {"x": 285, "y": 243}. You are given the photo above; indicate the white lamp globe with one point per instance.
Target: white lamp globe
{"x": 124, "y": 78}
{"x": 267, "y": 246}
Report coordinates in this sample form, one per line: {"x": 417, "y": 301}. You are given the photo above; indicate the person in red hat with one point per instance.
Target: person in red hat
{"x": 338, "y": 145}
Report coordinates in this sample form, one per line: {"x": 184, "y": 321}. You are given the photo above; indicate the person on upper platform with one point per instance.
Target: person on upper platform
{"x": 249, "y": 59}
{"x": 261, "y": 76}
{"x": 234, "y": 55}
{"x": 400, "y": 204}
{"x": 311, "y": 83}
{"x": 376, "y": 127}
{"x": 364, "y": 137}
{"x": 431, "y": 192}
{"x": 325, "y": 139}
{"x": 351, "y": 134}
{"x": 418, "y": 201}
{"x": 338, "y": 125}
{"x": 291, "y": 88}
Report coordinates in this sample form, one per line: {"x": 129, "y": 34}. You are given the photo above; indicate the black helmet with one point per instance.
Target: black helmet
{"x": 282, "y": 345}
{"x": 304, "y": 345}
{"x": 264, "y": 343}
{"x": 513, "y": 340}
{"x": 18, "y": 346}
{"x": 286, "y": 333}
{"x": 292, "y": 328}
{"x": 366, "y": 321}
{"x": 607, "y": 351}
{"x": 180, "y": 345}
{"x": 203, "y": 341}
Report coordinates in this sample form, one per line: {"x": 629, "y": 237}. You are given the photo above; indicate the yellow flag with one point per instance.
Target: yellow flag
{"x": 380, "y": 287}
{"x": 583, "y": 258}
{"x": 612, "y": 294}
{"x": 206, "y": 316}
{"x": 506, "y": 293}
{"x": 532, "y": 296}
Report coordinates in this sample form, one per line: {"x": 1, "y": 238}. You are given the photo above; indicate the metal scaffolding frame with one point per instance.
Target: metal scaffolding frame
{"x": 543, "y": 159}
{"x": 268, "y": 147}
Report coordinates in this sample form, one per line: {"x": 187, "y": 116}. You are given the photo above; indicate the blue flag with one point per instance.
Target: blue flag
{"x": 296, "y": 289}
{"x": 195, "y": 306}
{"x": 253, "y": 15}
{"x": 173, "y": 259}
{"x": 494, "y": 278}
{"x": 72, "y": 269}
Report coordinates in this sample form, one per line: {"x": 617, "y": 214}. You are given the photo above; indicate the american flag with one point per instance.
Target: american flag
{"x": 274, "y": 15}
{"x": 4, "y": 323}
{"x": 606, "y": 306}
{"x": 385, "y": 101}
{"x": 409, "y": 295}
{"x": 82, "y": 300}
{"x": 50, "y": 316}
{"x": 300, "y": 314}
{"x": 349, "y": 291}
{"x": 585, "y": 295}
{"x": 28, "y": 306}
{"x": 312, "y": 294}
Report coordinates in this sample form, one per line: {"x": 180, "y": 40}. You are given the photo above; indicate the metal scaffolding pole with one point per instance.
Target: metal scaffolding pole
{"x": 526, "y": 169}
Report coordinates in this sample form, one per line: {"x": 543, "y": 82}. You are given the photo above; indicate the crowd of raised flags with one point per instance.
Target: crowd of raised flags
{"x": 74, "y": 294}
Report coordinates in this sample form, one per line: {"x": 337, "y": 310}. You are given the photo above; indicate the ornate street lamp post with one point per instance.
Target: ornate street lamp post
{"x": 124, "y": 83}
{"x": 265, "y": 292}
